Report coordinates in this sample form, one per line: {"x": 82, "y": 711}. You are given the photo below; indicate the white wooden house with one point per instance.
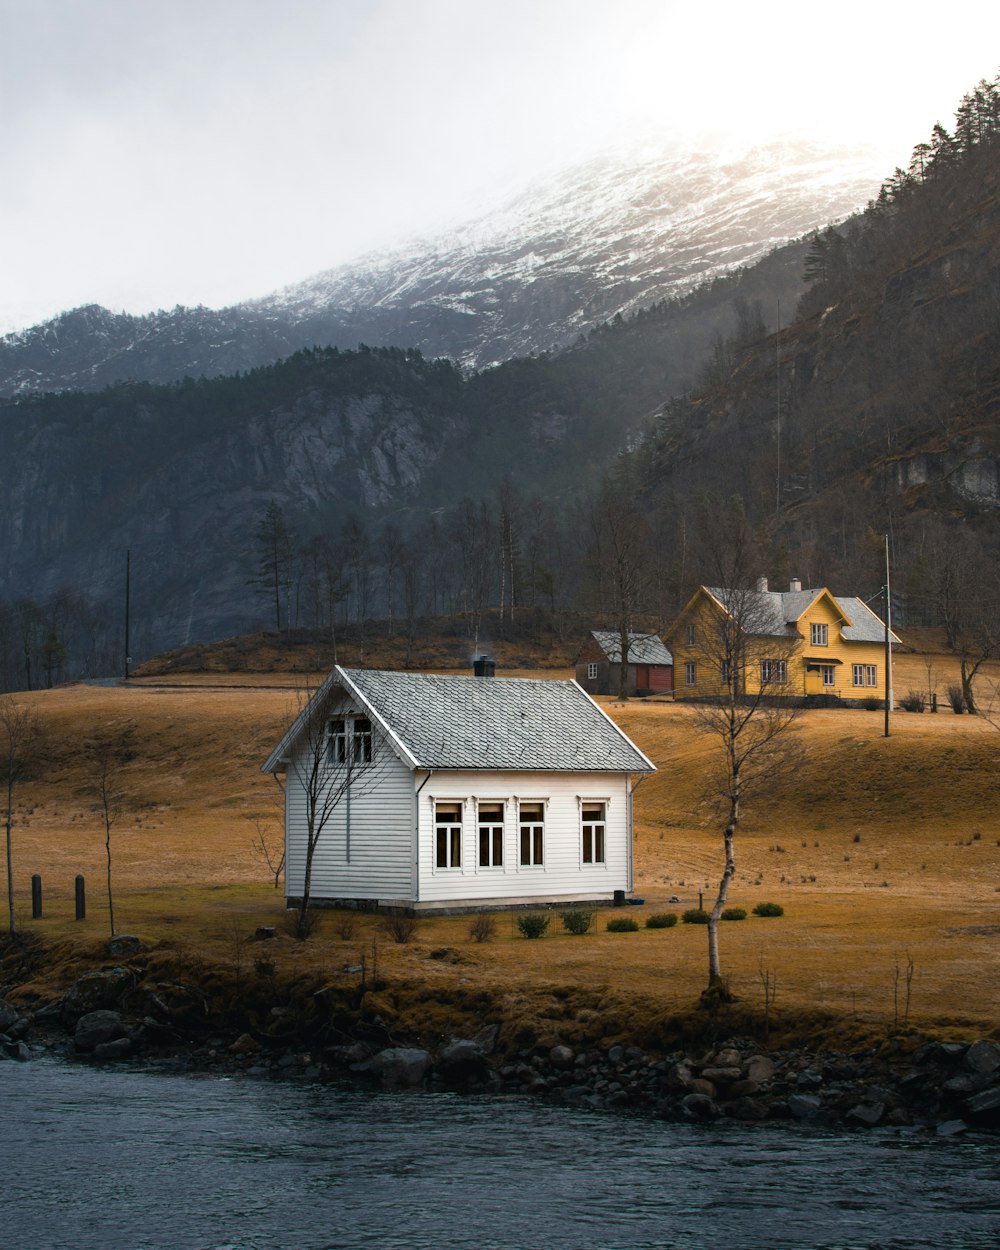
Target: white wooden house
{"x": 454, "y": 793}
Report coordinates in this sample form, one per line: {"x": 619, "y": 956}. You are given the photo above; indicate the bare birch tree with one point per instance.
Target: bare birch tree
{"x": 336, "y": 756}
{"x": 741, "y": 638}
{"x": 109, "y": 752}
{"x": 21, "y": 747}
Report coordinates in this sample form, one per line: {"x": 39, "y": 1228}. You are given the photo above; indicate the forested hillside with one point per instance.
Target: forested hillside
{"x": 357, "y": 450}
{"x": 342, "y": 486}
{"x": 876, "y": 411}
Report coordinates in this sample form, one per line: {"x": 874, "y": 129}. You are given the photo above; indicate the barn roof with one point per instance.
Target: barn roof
{"x": 642, "y": 648}
{"x": 479, "y": 723}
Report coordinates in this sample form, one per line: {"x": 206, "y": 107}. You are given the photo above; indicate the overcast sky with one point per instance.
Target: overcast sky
{"x": 157, "y": 152}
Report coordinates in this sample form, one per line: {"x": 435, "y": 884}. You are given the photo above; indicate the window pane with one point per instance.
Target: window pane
{"x": 525, "y": 846}
{"x": 497, "y": 847}
{"x": 442, "y": 848}
{"x": 538, "y": 846}
{"x": 456, "y": 848}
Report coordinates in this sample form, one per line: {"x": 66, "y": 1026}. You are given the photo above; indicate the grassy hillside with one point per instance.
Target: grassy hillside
{"x": 880, "y": 850}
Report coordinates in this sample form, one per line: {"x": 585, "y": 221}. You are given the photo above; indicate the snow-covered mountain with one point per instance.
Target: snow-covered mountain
{"x": 612, "y": 235}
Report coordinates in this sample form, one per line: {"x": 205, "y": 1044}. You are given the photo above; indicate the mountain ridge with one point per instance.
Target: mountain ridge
{"x": 606, "y": 237}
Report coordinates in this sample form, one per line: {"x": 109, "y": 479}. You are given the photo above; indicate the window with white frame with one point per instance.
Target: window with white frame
{"x": 448, "y": 835}
{"x": 819, "y": 635}
{"x": 531, "y": 834}
{"x": 490, "y": 835}
{"x": 361, "y": 735}
{"x": 864, "y": 674}
{"x": 692, "y": 635}
{"x": 690, "y": 673}
{"x": 349, "y": 740}
{"x": 829, "y": 674}
{"x": 724, "y": 672}
{"x": 594, "y": 830}
{"x": 773, "y": 672}
{"x": 591, "y": 672}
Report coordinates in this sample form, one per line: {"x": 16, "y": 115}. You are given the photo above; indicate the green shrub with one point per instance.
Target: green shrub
{"x": 576, "y": 921}
{"x": 695, "y": 915}
{"x": 622, "y": 924}
{"x": 661, "y": 920}
{"x": 533, "y": 925}
{"x": 769, "y": 909}
{"x": 734, "y": 913}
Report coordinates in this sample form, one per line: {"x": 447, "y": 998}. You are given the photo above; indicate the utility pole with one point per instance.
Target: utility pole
{"x": 777, "y": 401}
{"x": 888, "y": 640}
{"x": 128, "y": 589}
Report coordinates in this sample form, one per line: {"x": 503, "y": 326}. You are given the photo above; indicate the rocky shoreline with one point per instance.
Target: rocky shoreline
{"x": 113, "y": 1016}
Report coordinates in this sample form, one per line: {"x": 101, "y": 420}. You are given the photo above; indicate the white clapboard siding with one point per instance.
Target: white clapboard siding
{"x": 563, "y": 873}
{"x": 375, "y": 860}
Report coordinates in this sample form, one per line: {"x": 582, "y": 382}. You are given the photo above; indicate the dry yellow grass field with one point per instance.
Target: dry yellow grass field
{"x": 885, "y": 854}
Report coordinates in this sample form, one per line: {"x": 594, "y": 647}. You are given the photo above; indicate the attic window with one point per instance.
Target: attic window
{"x": 819, "y": 635}
{"x": 591, "y": 672}
{"x": 692, "y": 635}
{"x": 349, "y": 741}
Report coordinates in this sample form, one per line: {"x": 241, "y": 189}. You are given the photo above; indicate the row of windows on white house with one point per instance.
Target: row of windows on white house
{"x": 775, "y": 673}
{"x": 491, "y": 841}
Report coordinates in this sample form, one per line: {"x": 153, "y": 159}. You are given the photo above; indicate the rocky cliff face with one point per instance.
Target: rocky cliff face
{"x": 90, "y": 481}
{"x": 611, "y": 236}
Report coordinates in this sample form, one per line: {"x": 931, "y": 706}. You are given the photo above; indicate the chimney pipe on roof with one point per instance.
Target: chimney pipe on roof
{"x": 762, "y": 585}
{"x": 795, "y": 584}
{"x": 484, "y": 667}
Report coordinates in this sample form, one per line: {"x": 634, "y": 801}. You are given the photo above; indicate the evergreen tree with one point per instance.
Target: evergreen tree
{"x": 275, "y": 551}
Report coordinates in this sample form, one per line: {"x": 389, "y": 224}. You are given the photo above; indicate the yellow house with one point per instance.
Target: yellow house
{"x": 794, "y": 643}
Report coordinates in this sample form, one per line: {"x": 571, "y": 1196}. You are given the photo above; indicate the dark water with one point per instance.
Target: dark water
{"x": 99, "y": 1160}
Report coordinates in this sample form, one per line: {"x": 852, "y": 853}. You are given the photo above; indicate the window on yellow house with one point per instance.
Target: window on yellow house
{"x": 864, "y": 674}
{"x": 773, "y": 672}
{"x": 819, "y": 635}
{"x": 690, "y": 673}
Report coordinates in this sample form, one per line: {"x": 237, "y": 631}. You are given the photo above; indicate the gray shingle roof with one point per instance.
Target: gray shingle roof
{"x": 778, "y": 610}
{"x": 492, "y": 723}
{"x": 642, "y": 648}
